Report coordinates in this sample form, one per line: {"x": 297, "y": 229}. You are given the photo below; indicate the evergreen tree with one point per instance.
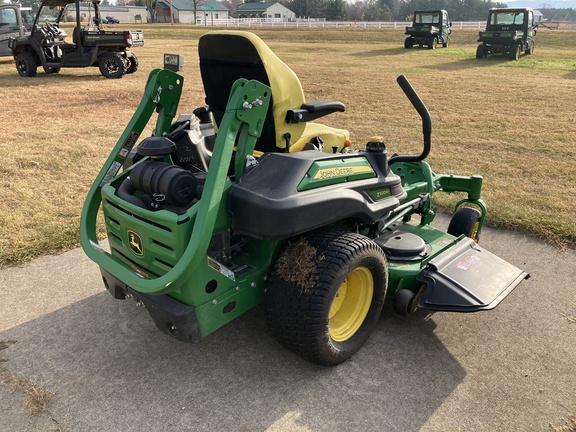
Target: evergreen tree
{"x": 335, "y": 10}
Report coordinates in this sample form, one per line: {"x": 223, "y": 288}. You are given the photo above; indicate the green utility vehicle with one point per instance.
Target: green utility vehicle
{"x": 12, "y": 24}
{"x": 508, "y": 31}
{"x": 276, "y": 209}
{"x": 91, "y": 44}
{"x": 429, "y": 28}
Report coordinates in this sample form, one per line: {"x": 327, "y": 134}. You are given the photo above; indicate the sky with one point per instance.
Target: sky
{"x": 536, "y": 4}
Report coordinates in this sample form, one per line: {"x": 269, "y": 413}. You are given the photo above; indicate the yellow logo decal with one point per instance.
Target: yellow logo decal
{"x": 382, "y": 193}
{"x": 327, "y": 173}
{"x": 135, "y": 243}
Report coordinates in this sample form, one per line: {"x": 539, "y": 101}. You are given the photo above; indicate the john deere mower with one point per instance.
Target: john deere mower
{"x": 277, "y": 209}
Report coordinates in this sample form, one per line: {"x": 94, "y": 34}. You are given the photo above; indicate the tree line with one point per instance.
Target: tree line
{"x": 389, "y": 10}
{"x": 363, "y": 10}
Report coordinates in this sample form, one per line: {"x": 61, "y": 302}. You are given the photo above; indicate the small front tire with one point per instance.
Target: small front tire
{"x": 465, "y": 221}
{"x": 26, "y": 65}
{"x": 403, "y": 302}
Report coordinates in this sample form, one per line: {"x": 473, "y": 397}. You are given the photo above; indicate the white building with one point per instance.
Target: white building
{"x": 265, "y": 10}
{"x": 183, "y": 11}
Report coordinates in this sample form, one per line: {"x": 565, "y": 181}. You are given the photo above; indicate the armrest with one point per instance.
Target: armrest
{"x": 313, "y": 110}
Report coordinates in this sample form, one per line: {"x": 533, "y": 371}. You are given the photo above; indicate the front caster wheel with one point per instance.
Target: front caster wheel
{"x": 465, "y": 221}
{"x": 404, "y": 302}
{"x": 326, "y": 294}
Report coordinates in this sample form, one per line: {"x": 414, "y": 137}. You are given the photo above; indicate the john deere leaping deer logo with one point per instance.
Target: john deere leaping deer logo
{"x": 135, "y": 243}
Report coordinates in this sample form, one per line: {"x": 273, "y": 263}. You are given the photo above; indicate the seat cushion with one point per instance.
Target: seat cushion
{"x": 332, "y": 137}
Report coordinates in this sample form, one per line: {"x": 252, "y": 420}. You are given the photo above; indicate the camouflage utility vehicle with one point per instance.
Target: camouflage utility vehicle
{"x": 508, "y": 31}
{"x": 429, "y": 28}
{"x": 91, "y": 44}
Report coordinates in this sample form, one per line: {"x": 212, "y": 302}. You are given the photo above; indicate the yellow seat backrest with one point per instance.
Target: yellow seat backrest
{"x": 226, "y": 56}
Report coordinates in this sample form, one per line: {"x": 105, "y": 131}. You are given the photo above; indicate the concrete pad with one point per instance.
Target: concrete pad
{"x": 111, "y": 369}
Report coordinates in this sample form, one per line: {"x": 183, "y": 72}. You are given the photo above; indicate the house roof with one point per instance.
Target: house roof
{"x": 187, "y": 5}
{"x": 254, "y": 7}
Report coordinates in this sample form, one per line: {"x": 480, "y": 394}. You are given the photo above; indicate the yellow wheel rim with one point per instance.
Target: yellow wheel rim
{"x": 351, "y": 304}
{"x": 474, "y": 235}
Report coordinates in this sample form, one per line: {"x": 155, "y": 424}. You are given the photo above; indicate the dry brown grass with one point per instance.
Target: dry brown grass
{"x": 36, "y": 397}
{"x": 512, "y": 122}
{"x": 568, "y": 424}
{"x": 298, "y": 264}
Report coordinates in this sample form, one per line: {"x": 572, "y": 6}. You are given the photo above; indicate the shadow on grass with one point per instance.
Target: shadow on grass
{"x": 104, "y": 355}
{"x": 42, "y": 79}
{"x": 381, "y": 52}
{"x": 571, "y": 75}
{"x": 467, "y": 63}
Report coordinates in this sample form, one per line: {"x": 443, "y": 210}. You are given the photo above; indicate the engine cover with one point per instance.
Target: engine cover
{"x": 287, "y": 194}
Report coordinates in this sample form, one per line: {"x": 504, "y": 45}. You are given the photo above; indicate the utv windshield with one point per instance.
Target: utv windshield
{"x": 8, "y": 17}
{"x": 50, "y": 14}
{"x": 27, "y": 16}
{"x": 507, "y": 18}
{"x": 427, "y": 18}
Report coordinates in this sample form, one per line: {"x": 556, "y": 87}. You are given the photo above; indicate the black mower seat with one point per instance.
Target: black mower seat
{"x": 226, "y": 56}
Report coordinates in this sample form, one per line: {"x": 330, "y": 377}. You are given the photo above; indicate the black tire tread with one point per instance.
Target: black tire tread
{"x": 133, "y": 67}
{"x": 31, "y": 66}
{"x": 463, "y": 222}
{"x": 297, "y": 317}
{"x": 120, "y": 62}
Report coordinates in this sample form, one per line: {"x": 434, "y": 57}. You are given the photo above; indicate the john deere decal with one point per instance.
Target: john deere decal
{"x": 135, "y": 243}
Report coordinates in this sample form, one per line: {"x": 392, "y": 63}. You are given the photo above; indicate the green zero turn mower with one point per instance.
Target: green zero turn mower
{"x": 276, "y": 209}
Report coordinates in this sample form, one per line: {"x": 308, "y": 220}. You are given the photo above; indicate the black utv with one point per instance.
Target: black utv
{"x": 429, "y": 28}
{"x": 91, "y": 44}
{"x": 508, "y": 31}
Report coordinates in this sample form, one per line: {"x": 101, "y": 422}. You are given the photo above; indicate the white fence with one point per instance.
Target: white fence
{"x": 277, "y": 23}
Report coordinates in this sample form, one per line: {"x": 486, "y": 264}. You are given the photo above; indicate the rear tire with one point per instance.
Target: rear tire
{"x": 481, "y": 51}
{"x": 132, "y": 64}
{"x": 408, "y": 43}
{"x": 326, "y": 294}
{"x": 465, "y": 221}
{"x": 432, "y": 42}
{"x": 50, "y": 70}
{"x": 515, "y": 52}
{"x": 112, "y": 65}
{"x": 26, "y": 65}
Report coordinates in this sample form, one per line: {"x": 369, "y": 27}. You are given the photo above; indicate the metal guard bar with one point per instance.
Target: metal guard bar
{"x": 240, "y": 118}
